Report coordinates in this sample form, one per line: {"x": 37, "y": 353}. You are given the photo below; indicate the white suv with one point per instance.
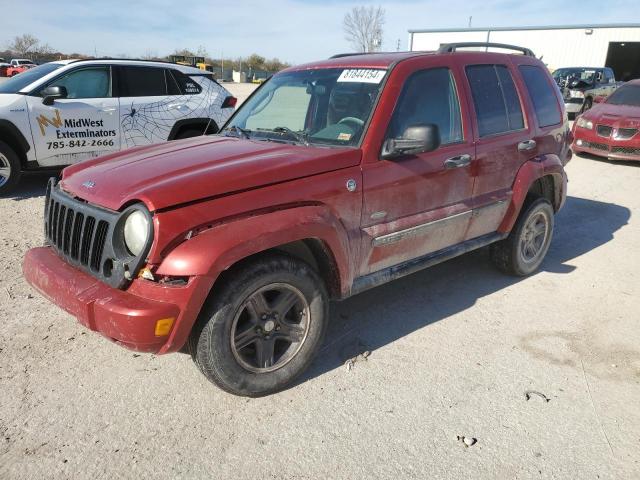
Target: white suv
{"x": 63, "y": 112}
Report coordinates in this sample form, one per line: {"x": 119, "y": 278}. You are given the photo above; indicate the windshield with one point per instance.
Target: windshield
{"x": 625, "y": 95}
{"x": 17, "y": 83}
{"x": 585, "y": 74}
{"x": 326, "y": 106}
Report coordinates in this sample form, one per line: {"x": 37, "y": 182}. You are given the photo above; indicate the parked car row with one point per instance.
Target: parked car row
{"x": 332, "y": 178}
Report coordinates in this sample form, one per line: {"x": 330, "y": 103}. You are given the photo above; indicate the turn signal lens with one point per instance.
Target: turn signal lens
{"x": 163, "y": 326}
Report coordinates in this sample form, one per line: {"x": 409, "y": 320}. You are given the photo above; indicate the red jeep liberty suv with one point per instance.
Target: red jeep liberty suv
{"x": 332, "y": 178}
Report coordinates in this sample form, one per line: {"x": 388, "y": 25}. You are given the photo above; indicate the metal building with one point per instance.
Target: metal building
{"x": 612, "y": 45}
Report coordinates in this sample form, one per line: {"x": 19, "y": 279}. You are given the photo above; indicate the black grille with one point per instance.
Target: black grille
{"x": 626, "y": 133}
{"x": 604, "y": 130}
{"x": 596, "y": 146}
{"x": 77, "y": 231}
{"x": 626, "y": 150}
{"x": 90, "y": 238}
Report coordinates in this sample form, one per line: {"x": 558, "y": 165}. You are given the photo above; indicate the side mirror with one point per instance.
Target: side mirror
{"x": 52, "y": 93}
{"x": 599, "y": 99}
{"x": 415, "y": 139}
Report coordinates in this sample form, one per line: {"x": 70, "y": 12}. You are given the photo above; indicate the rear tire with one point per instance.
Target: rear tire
{"x": 262, "y": 327}
{"x": 10, "y": 169}
{"x": 522, "y": 252}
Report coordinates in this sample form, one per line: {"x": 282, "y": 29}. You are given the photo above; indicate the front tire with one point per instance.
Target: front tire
{"x": 522, "y": 252}
{"x": 10, "y": 169}
{"x": 262, "y": 328}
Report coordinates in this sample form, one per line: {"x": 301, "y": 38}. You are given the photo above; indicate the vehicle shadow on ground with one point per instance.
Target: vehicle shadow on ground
{"x": 30, "y": 186}
{"x": 382, "y": 315}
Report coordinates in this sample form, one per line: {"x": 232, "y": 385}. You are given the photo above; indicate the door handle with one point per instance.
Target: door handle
{"x": 107, "y": 110}
{"x": 176, "y": 106}
{"x": 457, "y": 162}
{"x": 527, "y": 145}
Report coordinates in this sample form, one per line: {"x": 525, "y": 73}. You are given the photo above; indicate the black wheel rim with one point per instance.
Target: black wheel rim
{"x": 533, "y": 238}
{"x": 269, "y": 328}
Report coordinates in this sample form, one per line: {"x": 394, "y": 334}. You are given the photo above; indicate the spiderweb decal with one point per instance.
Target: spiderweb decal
{"x": 143, "y": 123}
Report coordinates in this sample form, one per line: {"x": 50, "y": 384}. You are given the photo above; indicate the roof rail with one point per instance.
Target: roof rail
{"x": 452, "y": 47}
{"x": 353, "y": 54}
{"x": 127, "y": 59}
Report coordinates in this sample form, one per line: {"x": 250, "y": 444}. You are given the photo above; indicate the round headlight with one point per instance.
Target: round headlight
{"x": 136, "y": 232}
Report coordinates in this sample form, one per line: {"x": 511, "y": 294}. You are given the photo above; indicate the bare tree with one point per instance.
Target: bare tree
{"x": 363, "y": 28}
{"x": 23, "y": 45}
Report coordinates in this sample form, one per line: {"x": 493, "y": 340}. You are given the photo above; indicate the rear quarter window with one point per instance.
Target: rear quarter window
{"x": 186, "y": 84}
{"x": 542, "y": 95}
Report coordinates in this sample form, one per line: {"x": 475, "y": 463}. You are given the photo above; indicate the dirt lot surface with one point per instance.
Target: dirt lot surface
{"x": 454, "y": 351}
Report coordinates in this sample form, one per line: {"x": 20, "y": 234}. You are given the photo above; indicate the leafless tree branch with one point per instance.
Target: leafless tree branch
{"x": 363, "y": 28}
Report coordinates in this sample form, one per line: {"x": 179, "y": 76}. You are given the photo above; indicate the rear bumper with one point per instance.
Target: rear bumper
{"x": 125, "y": 317}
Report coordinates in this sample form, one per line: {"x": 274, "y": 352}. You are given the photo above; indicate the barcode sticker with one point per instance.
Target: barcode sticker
{"x": 362, "y": 75}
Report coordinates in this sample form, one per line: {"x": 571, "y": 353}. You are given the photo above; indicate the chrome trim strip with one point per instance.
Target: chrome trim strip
{"x": 394, "y": 237}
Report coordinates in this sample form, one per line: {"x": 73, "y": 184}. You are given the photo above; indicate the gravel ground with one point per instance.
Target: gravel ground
{"x": 453, "y": 349}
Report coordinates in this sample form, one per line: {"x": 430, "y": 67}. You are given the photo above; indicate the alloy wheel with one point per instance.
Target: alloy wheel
{"x": 534, "y": 237}
{"x": 5, "y": 170}
{"x": 270, "y": 327}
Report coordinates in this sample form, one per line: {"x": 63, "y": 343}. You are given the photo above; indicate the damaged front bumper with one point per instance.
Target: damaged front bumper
{"x": 129, "y": 318}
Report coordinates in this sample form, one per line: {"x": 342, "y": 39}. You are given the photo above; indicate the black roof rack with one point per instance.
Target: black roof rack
{"x": 127, "y": 59}
{"x": 452, "y": 47}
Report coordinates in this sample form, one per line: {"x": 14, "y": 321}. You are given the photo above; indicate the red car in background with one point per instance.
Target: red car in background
{"x": 611, "y": 128}
{"x": 17, "y": 66}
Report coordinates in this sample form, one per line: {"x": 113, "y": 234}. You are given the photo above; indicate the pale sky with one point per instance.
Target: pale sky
{"x": 292, "y": 30}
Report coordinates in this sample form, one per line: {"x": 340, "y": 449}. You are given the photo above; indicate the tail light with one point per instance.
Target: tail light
{"x": 229, "y": 102}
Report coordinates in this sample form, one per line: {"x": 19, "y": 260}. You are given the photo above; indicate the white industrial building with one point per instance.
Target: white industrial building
{"x": 613, "y": 45}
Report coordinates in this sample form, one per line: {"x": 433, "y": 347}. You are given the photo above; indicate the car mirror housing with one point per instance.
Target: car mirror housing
{"x": 52, "y": 93}
{"x": 415, "y": 139}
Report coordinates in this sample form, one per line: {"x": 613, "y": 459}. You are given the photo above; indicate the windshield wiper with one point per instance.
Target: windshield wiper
{"x": 299, "y": 136}
{"x": 239, "y": 132}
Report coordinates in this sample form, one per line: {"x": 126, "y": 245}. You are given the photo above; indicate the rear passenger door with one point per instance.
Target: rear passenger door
{"x": 150, "y": 104}
{"x": 504, "y": 140}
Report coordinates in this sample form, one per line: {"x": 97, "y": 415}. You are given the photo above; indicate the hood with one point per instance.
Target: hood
{"x": 172, "y": 173}
{"x": 8, "y": 100}
{"x": 621, "y": 116}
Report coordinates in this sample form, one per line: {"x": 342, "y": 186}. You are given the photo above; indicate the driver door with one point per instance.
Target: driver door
{"x": 83, "y": 125}
{"x": 417, "y": 204}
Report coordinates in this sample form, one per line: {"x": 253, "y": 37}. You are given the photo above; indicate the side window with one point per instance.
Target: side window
{"x": 544, "y": 99}
{"x": 86, "y": 83}
{"x": 495, "y": 99}
{"x": 609, "y": 77}
{"x": 429, "y": 96}
{"x": 186, "y": 85}
{"x": 142, "y": 82}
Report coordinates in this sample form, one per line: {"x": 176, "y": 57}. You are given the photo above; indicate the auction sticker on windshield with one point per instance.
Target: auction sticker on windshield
{"x": 362, "y": 75}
